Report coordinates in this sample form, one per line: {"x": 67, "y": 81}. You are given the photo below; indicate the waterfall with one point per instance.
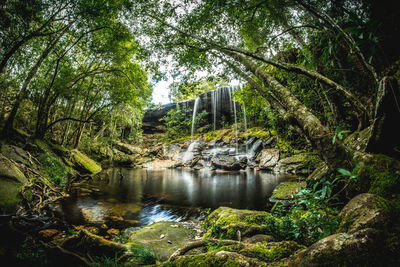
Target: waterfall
{"x": 235, "y": 116}
{"x": 245, "y": 124}
{"x": 196, "y": 105}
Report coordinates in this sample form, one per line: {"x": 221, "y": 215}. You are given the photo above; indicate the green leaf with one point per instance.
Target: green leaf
{"x": 344, "y": 172}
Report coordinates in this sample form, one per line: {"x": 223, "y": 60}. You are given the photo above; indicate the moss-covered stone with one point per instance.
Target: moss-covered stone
{"x": 11, "y": 182}
{"x": 257, "y": 132}
{"x": 216, "y": 259}
{"x": 162, "y": 237}
{"x": 225, "y": 222}
{"x": 365, "y": 211}
{"x": 379, "y": 175}
{"x": 83, "y": 163}
{"x": 286, "y": 190}
{"x": 362, "y": 248}
{"x": 265, "y": 251}
{"x": 304, "y": 163}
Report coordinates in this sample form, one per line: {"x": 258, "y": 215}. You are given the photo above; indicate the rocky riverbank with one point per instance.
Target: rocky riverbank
{"x": 299, "y": 230}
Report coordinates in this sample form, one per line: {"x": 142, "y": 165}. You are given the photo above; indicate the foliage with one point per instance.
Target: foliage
{"x": 188, "y": 89}
{"x": 56, "y": 171}
{"x": 105, "y": 261}
{"x": 178, "y": 122}
{"x": 201, "y": 121}
{"x": 29, "y": 255}
{"x": 144, "y": 255}
{"x": 214, "y": 245}
{"x": 309, "y": 216}
{"x": 62, "y": 62}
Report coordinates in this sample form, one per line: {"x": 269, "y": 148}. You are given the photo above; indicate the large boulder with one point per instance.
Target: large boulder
{"x": 362, "y": 248}
{"x": 229, "y": 163}
{"x": 241, "y": 254}
{"x": 11, "y": 182}
{"x": 365, "y": 211}
{"x": 301, "y": 164}
{"x": 18, "y": 155}
{"x": 225, "y": 222}
{"x": 269, "y": 158}
{"x": 163, "y": 237}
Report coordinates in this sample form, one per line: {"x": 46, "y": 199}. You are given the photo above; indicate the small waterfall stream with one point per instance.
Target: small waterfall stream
{"x": 223, "y": 109}
{"x": 196, "y": 105}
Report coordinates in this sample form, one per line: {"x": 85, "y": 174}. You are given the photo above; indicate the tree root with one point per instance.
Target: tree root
{"x": 197, "y": 244}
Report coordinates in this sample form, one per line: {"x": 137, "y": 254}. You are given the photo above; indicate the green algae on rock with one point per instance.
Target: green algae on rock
{"x": 286, "y": 190}
{"x": 225, "y": 222}
{"x": 12, "y": 181}
{"x": 162, "y": 237}
{"x": 302, "y": 164}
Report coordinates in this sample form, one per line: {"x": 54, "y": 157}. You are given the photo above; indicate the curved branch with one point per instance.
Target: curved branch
{"x": 301, "y": 70}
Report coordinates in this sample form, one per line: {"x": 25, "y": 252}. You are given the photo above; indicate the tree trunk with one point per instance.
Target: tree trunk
{"x": 334, "y": 154}
{"x": 8, "y": 127}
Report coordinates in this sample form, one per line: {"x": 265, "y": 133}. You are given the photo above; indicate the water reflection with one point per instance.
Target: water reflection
{"x": 142, "y": 196}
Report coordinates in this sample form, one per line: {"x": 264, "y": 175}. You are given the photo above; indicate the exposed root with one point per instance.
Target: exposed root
{"x": 199, "y": 243}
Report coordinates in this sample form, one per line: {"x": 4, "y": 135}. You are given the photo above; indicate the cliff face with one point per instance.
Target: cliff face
{"x": 217, "y": 103}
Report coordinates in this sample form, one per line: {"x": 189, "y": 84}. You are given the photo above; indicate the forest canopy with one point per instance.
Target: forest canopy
{"x": 67, "y": 65}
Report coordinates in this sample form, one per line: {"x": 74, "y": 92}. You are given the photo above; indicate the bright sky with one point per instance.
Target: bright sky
{"x": 160, "y": 92}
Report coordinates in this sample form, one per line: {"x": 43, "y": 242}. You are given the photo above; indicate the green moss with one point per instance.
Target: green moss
{"x": 149, "y": 237}
{"x": 274, "y": 251}
{"x": 225, "y": 222}
{"x": 178, "y": 140}
{"x": 83, "y": 163}
{"x": 9, "y": 195}
{"x": 378, "y": 176}
{"x": 287, "y": 190}
{"x": 259, "y": 133}
{"x": 218, "y": 134}
{"x": 208, "y": 259}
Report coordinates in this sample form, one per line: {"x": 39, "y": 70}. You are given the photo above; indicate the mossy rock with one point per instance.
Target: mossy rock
{"x": 162, "y": 237}
{"x": 11, "y": 182}
{"x": 225, "y": 222}
{"x": 241, "y": 254}
{"x": 302, "y": 164}
{"x": 378, "y": 175}
{"x": 82, "y": 163}
{"x": 321, "y": 171}
{"x": 362, "y": 248}
{"x": 365, "y": 211}
{"x": 216, "y": 259}
{"x": 286, "y": 190}
{"x": 265, "y": 251}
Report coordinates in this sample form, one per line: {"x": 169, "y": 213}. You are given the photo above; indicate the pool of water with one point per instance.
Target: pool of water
{"x": 137, "y": 197}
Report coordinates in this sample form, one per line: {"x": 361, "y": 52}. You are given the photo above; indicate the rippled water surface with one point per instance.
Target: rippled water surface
{"x": 137, "y": 197}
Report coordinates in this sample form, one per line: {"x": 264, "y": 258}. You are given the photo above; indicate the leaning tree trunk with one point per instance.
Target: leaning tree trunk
{"x": 333, "y": 153}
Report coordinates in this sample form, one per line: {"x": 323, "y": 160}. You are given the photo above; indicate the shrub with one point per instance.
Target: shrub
{"x": 54, "y": 169}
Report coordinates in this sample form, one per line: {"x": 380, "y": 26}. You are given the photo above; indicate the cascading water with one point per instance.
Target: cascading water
{"x": 196, "y": 105}
{"x": 223, "y": 109}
